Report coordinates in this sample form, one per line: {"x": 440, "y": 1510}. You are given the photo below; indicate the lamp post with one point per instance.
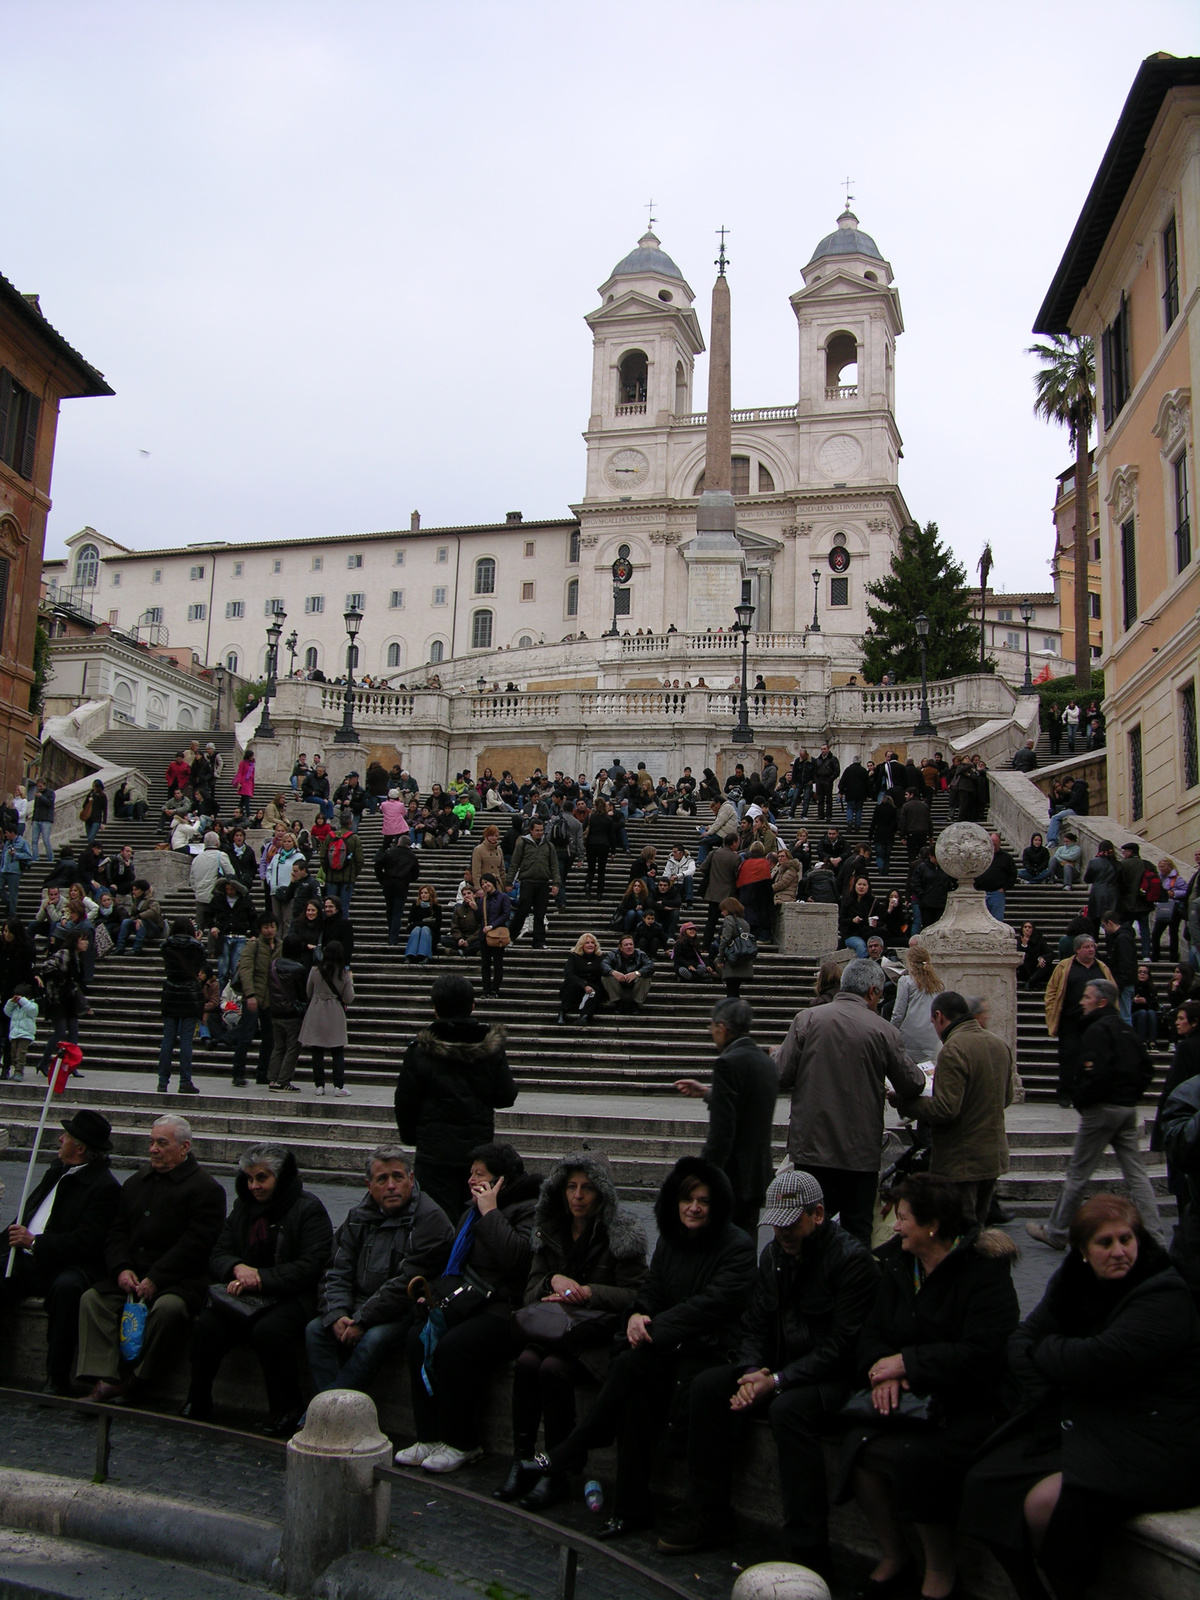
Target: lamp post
{"x": 347, "y": 733}
{"x": 743, "y": 733}
{"x": 219, "y": 680}
{"x": 924, "y": 726}
{"x": 480, "y": 684}
{"x": 816, "y": 577}
{"x": 292, "y": 640}
{"x": 1027, "y": 618}
{"x": 265, "y": 730}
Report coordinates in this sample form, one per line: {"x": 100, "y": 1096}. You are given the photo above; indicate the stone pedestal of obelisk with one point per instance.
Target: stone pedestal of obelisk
{"x": 971, "y": 951}
{"x": 716, "y": 564}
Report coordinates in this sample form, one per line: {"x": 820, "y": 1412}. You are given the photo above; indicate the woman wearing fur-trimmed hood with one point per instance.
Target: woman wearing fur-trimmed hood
{"x": 590, "y": 1253}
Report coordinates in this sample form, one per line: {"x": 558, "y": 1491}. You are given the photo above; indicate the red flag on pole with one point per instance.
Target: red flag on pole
{"x": 1043, "y": 676}
{"x": 67, "y": 1062}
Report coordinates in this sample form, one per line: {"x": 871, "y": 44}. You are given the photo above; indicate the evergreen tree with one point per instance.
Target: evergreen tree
{"x": 924, "y": 577}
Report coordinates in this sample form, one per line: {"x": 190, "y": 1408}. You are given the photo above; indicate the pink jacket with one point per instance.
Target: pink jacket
{"x": 393, "y": 813}
{"x": 243, "y": 780}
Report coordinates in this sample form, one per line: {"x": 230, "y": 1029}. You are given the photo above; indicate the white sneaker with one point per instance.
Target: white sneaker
{"x": 342, "y": 1091}
{"x": 445, "y": 1458}
{"x": 417, "y": 1453}
{"x": 320, "y": 1089}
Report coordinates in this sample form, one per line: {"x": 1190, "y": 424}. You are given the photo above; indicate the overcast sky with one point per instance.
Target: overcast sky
{"x": 334, "y": 259}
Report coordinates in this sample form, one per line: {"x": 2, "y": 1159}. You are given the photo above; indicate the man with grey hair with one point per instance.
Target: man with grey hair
{"x": 741, "y": 1104}
{"x": 394, "y": 1235}
{"x": 168, "y": 1220}
{"x": 835, "y": 1060}
{"x": 1064, "y": 1011}
{"x": 1114, "y": 1073}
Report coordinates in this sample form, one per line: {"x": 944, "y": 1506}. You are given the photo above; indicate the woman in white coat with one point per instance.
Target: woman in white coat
{"x": 914, "y": 996}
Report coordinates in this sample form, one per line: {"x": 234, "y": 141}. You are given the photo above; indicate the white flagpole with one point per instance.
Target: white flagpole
{"x": 33, "y": 1155}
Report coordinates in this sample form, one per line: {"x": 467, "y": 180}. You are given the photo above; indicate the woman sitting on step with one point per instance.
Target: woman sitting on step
{"x": 582, "y": 991}
{"x": 589, "y": 1254}
{"x": 424, "y": 925}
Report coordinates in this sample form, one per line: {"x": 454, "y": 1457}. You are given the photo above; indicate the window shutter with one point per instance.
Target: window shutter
{"x": 4, "y": 566}
{"x": 1106, "y": 344}
{"x": 23, "y": 455}
{"x": 6, "y": 401}
{"x": 1129, "y": 574}
{"x": 1125, "y": 356}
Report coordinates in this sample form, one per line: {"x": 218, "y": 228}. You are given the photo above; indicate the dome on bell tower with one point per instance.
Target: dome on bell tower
{"x": 648, "y": 257}
{"x": 846, "y": 241}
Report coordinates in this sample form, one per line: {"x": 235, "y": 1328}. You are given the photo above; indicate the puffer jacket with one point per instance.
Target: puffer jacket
{"x": 300, "y": 1233}
{"x": 376, "y": 1255}
{"x": 453, "y": 1078}
{"x": 699, "y": 1282}
{"x": 183, "y": 957}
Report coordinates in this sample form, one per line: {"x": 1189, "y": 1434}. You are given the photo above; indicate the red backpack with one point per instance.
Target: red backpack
{"x": 1150, "y": 888}
{"x": 336, "y": 858}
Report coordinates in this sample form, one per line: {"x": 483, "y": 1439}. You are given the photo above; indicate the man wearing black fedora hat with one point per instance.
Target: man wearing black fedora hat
{"x": 59, "y": 1241}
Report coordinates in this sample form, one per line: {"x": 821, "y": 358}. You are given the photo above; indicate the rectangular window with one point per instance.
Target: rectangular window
{"x": 1183, "y": 523}
{"x": 396, "y": 603}
{"x": 1129, "y": 606}
{"x": 399, "y": 558}
{"x": 18, "y": 425}
{"x": 839, "y": 591}
{"x": 1170, "y": 246}
{"x": 1188, "y": 736}
{"x": 354, "y": 562}
{"x": 1135, "y": 773}
{"x": 270, "y": 607}
{"x": 235, "y": 609}
{"x": 116, "y": 580}
{"x": 439, "y": 597}
{"x": 238, "y": 568}
{"x": 314, "y": 605}
{"x": 153, "y": 616}
{"x": 197, "y": 613}
{"x": 1049, "y": 643}
{"x": 443, "y": 554}
{"x": 624, "y": 602}
{"x": 1004, "y": 616}
{"x": 317, "y": 563}
{"x": 1116, "y": 365}
{"x": 157, "y": 578}
{"x": 277, "y": 566}
{"x": 196, "y": 574}
{"x": 113, "y": 618}
{"x": 573, "y": 546}
{"x": 530, "y": 549}
{"x": 355, "y": 602}
{"x": 1095, "y": 549}
{"x": 1012, "y": 640}
{"x": 1095, "y": 606}
{"x": 527, "y": 591}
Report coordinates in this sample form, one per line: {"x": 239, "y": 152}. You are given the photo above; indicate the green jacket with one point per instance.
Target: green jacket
{"x": 535, "y": 863}
{"x": 254, "y": 965}
{"x": 972, "y": 1087}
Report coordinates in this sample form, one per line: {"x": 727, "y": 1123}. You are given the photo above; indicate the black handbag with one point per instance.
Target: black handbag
{"x": 553, "y": 1326}
{"x": 914, "y": 1411}
{"x": 246, "y": 1306}
{"x": 457, "y": 1297}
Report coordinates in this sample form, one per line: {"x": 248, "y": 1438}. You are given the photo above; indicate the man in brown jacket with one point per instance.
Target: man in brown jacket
{"x": 717, "y": 880}
{"x": 254, "y": 966}
{"x": 835, "y": 1060}
{"x": 972, "y": 1087}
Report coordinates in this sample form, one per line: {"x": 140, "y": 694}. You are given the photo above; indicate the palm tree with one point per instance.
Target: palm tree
{"x": 1066, "y": 393}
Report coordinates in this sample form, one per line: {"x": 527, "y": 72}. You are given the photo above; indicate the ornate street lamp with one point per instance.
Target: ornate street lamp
{"x": 480, "y": 684}
{"x": 265, "y": 730}
{"x": 743, "y": 733}
{"x": 292, "y": 640}
{"x": 219, "y": 680}
{"x": 1027, "y": 618}
{"x": 816, "y": 577}
{"x": 347, "y": 733}
{"x": 924, "y": 726}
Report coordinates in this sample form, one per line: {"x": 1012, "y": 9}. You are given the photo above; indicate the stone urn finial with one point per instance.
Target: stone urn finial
{"x": 964, "y": 851}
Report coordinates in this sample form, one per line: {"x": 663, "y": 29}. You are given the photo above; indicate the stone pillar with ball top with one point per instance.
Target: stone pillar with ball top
{"x": 972, "y": 952}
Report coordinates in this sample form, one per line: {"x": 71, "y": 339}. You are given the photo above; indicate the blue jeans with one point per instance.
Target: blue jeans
{"x": 41, "y": 834}
{"x": 1035, "y": 877}
{"x": 326, "y": 808}
{"x": 854, "y": 811}
{"x": 342, "y": 893}
{"x": 11, "y": 883}
{"x": 183, "y": 1029}
{"x": 1125, "y": 1004}
{"x": 93, "y": 828}
{"x": 994, "y": 898}
{"x": 139, "y": 936}
{"x": 1058, "y": 822}
{"x": 883, "y": 858}
{"x": 708, "y": 841}
{"x": 231, "y": 953}
{"x": 859, "y": 946}
{"x": 916, "y": 921}
{"x": 332, "y": 1365}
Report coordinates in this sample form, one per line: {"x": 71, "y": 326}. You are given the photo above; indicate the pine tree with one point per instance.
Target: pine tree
{"x": 924, "y": 577}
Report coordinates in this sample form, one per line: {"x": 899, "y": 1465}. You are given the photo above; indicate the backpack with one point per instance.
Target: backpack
{"x": 1150, "y": 888}
{"x": 336, "y": 858}
{"x": 560, "y": 834}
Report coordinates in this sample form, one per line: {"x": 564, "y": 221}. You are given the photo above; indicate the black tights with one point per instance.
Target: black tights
{"x": 338, "y": 1053}
{"x": 543, "y": 1392}
{"x": 597, "y": 866}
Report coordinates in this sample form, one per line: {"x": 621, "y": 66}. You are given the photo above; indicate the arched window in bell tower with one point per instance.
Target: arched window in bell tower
{"x": 681, "y": 399}
{"x": 841, "y": 367}
{"x": 631, "y": 385}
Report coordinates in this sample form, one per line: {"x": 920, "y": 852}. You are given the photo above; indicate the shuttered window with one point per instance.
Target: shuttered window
{"x": 1129, "y": 606}
{"x": 1170, "y": 247}
{"x": 1135, "y": 773}
{"x": 1116, "y": 365}
{"x": 18, "y": 425}
{"x": 1188, "y": 736}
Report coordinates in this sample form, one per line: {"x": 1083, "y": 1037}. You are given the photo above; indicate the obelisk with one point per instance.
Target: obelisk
{"x": 714, "y": 557}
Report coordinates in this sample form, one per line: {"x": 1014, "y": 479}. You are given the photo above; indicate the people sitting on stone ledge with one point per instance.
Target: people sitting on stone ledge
{"x": 626, "y": 974}
{"x": 168, "y": 1219}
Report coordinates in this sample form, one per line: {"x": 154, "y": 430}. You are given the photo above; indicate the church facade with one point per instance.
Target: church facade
{"x": 815, "y": 481}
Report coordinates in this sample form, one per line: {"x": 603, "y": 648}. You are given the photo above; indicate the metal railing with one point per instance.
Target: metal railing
{"x": 570, "y": 1545}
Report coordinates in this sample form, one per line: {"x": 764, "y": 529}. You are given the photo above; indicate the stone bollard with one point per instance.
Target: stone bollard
{"x": 808, "y": 928}
{"x": 780, "y": 1580}
{"x": 333, "y": 1504}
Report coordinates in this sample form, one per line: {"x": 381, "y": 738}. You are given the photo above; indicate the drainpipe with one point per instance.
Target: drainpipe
{"x": 454, "y": 616}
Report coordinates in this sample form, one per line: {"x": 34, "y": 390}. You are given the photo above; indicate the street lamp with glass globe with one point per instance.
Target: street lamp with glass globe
{"x": 1027, "y": 617}
{"x": 815, "y": 626}
{"x": 265, "y": 730}
{"x": 924, "y": 726}
{"x": 292, "y": 640}
{"x": 219, "y": 681}
{"x": 347, "y": 733}
{"x": 743, "y": 733}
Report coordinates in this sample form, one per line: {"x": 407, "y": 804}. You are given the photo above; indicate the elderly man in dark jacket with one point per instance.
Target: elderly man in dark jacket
{"x": 157, "y": 1251}
{"x": 626, "y": 974}
{"x": 794, "y": 1362}
{"x": 741, "y": 1102}
{"x": 395, "y": 1234}
{"x": 58, "y": 1245}
{"x": 397, "y": 869}
{"x": 453, "y": 1078}
{"x": 1114, "y": 1073}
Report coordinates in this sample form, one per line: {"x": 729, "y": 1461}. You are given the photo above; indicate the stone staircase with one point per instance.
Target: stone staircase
{"x": 630, "y": 1056}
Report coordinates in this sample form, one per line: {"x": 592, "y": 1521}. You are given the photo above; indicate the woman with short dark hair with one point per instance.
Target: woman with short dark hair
{"x": 937, "y": 1334}
{"x": 734, "y": 966}
{"x": 1109, "y": 1368}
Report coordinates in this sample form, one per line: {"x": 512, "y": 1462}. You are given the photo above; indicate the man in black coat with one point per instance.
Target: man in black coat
{"x": 741, "y": 1110}
{"x": 854, "y": 787}
{"x": 1114, "y": 1073}
{"x": 825, "y": 774}
{"x": 397, "y": 868}
{"x": 453, "y": 1078}
{"x": 58, "y": 1244}
{"x": 795, "y": 1362}
{"x": 396, "y": 1234}
{"x": 1120, "y": 947}
{"x": 168, "y": 1220}
{"x": 998, "y": 879}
